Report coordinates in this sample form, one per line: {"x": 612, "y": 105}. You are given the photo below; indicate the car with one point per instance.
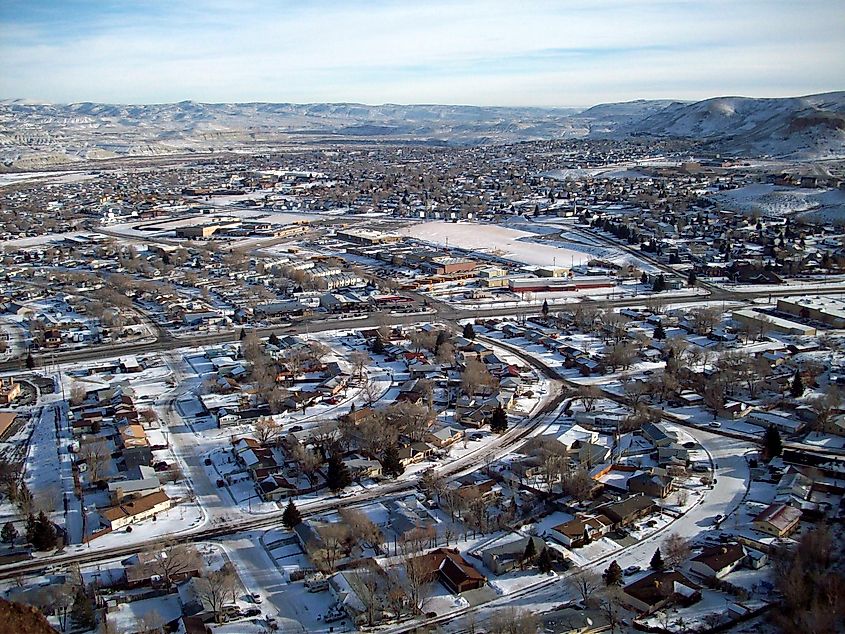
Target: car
{"x": 717, "y": 519}
{"x": 296, "y": 428}
{"x": 253, "y": 611}
{"x": 477, "y": 437}
{"x": 256, "y": 598}
{"x": 715, "y": 424}
{"x": 648, "y": 372}
{"x": 221, "y": 483}
{"x": 631, "y": 570}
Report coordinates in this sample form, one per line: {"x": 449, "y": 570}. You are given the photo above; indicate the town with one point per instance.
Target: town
{"x": 579, "y": 385}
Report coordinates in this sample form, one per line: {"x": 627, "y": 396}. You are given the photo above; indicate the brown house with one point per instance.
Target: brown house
{"x": 452, "y": 570}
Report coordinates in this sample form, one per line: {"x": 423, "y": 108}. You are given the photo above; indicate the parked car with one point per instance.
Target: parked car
{"x": 631, "y": 570}
{"x": 715, "y": 424}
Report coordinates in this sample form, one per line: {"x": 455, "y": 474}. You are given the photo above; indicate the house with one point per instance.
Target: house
{"x": 660, "y": 589}
{"x": 135, "y": 510}
{"x": 9, "y": 391}
{"x": 445, "y": 437}
{"x": 628, "y": 510}
{"x": 452, "y": 570}
{"x": 275, "y": 487}
{"x": 362, "y": 592}
{"x": 717, "y": 561}
{"x": 658, "y": 435}
{"x": 778, "y": 520}
{"x": 581, "y": 530}
{"x": 504, "y": 558}
{"x": 140, "y": 480}
{"x": 652, "y": 484}
{"x": 414, "y": 453}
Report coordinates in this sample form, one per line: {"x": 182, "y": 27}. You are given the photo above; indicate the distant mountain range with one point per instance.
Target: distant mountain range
{"x": 33, "y": 135}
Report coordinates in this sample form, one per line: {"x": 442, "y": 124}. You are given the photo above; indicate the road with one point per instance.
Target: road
{"x": 732, "y": 481}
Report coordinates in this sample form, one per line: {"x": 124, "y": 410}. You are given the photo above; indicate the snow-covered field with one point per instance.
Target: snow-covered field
{"x": 513, "y": 244}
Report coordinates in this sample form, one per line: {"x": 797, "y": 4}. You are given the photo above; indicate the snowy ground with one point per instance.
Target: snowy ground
{"x": 820, "y": 205}
{"x": 496, "y": 240}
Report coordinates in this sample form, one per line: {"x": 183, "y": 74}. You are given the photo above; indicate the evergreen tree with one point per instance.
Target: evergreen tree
{"x": 692, "y": 278}
{"x": 44, "y": 535}
{"x": 530, "y": 553}
{"x": 499, "y": 420}
{"x": 30, "y": 361}
{"x": 82, "y": 612}
{"x": 644, "y": 278}
{"x": 659, "y": 332}
{"x": 9, "y": 533}
{"x": 469, "y": 331}
{"x": 545, "y": 308}
{"x": 797, "y": 387}
{"x": 613, "y": 574}
{"x": 242, "y": 336}
{"x": 378, "y": 345}
{"x": 544, "y": 561}
{"x": 291, "y": 517}
{"x": 442, "y": 337}
{"x": 657, "y": 561}
{"x": 659, "y": 284}
{"x": 273, "y": 339}
{"x": 337, "y": 475}
{"x": 30, "y": 528}
{"x": 390, "y": 463}
{"x": 772, "y": 444}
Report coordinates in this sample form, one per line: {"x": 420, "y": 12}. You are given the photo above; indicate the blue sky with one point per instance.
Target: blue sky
{"x": 486, "y": 52}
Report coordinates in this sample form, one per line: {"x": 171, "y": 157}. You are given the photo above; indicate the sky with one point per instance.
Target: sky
{"x": 487, "y": 52}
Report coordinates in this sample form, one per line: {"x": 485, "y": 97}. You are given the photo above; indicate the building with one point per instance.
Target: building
{"x": 136, "y": 510}
{"x": 452, "y": 570}
{"x": 778, "y": 520}
{"x": 718, "y": 561}
{"x": 9, "y": 390}
{"x": 506, "y": 557}
{"x": 754, "y": 320}
{"x": 660, "y": 589}
{"x": 653, "y": 484}
{"x": 367, "y": 237}
{"x": 581, "y": 530}
{"x": 826, "y": 310}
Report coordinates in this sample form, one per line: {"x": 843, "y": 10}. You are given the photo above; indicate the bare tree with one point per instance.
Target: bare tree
{"x": 359, "y": 360}
{"x": 217, "y": 588}
{"x": 513, "y": 621}
{"x": 585, "y": 583}
{"x": 96, "y": 455}
{"x": 676, "y": 550}
{"x": 475, "y": 375}
{"x": 588, "y": 395}
{"x": 267, "y": 430}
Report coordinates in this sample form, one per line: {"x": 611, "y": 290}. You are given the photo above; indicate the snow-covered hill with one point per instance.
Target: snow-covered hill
{"x": 35, "y": 133}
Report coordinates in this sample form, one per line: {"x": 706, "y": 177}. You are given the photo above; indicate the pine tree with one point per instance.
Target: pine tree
{"x": 9, "y": 533}
{"x": 337, "y": 475}
{"x": 291, "y": 517}
{"x": 242, "y": 336}
{"x": 44, "y": 535}
{"x": 469, "y": 331}
{"x": 659, "y": 332}
{"x": 659, "y": 284}
{"x": 30, "y": 361}
{"x": 82, "y": 612}
{"x": 772, "y": 444}
{"x": 390, "y": 463}
{"x": 797, "y": 388}
{"x": 544, "y": 561}
{"x": 613, "y": 574}
{"x": 545, "y": 308}
{"x": 657, "y": 561}
{"x": 378, "y": 345}
{"x": 692, "y": 278}
{"x": 30, "y": 528}
{"x": 530, "y": 553}
{"x": 273, "y": 339}
{"x": 644, "y": 278}
{"x": 499, "y": 420}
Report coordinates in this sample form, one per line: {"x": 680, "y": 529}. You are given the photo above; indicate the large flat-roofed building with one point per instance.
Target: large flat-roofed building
{"x": 367, "y": 236}
{"x": 826, "y": 310}
{"x": 769, "y": 323}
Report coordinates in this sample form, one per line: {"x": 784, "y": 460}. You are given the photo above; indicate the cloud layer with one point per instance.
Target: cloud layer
{"x": 577, "y": 52}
